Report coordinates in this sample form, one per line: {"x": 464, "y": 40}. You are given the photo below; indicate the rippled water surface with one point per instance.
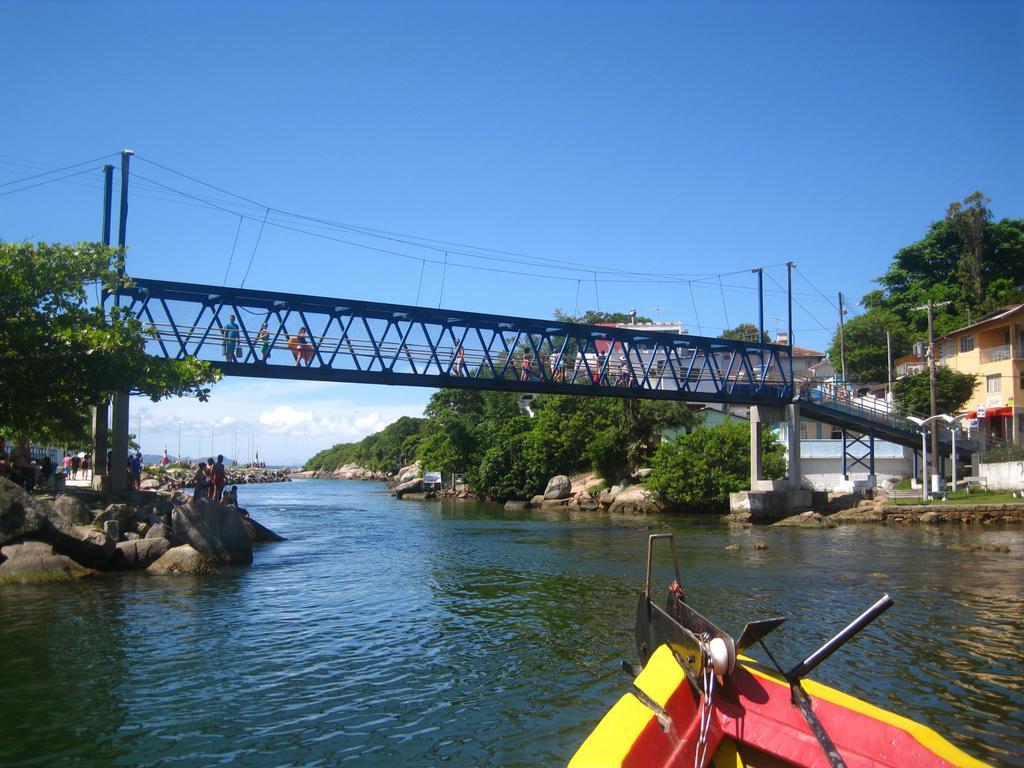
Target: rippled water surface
{"x": 418, "y": 633}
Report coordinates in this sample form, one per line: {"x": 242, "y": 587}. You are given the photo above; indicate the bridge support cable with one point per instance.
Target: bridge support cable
{"x": 327, "y": 339}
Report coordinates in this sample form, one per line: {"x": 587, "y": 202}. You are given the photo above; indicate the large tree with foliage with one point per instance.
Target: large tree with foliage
{"x": 966, "y": 263}
{"x": 952, "y": 391}
{"x": 59, "y": 353}
{"x": 745, "y": 332}
{"x": 700, "y": 469}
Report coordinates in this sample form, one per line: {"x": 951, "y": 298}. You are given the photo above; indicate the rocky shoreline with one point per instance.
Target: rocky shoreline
{"x": 573, "y": 493}
{"x": 76, "y": 535}
{"x": 176, "y": 476}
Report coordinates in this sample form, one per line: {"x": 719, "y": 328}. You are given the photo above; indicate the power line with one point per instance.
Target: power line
{"x": 257, "y": 245}
{"x": 232, "y": 255}
{"x": 56, "y": 170}
{"x": 43, "y": 183}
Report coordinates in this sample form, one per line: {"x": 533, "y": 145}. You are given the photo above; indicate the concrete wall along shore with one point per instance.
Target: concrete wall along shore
{"x": 1003, "y": 476}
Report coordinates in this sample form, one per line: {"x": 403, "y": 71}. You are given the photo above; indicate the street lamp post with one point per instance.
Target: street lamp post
{"x": 931, "y": 374}
{"x": 954, "y": 427}
{"x": 923, "y": 425}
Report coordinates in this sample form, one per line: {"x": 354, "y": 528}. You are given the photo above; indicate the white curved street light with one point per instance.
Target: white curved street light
{"x": 923, "y": 426}
{"x": 954, "y": 427}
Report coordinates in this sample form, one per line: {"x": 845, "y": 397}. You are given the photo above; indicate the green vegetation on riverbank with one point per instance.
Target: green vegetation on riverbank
{"x": 502, "y": 453}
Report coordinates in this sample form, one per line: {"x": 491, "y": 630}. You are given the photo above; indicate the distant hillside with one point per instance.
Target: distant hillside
{"x": 385, "y": 451}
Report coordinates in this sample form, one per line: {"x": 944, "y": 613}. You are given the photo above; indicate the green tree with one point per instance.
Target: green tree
{"x": 952, "y": 391}
{"x": 966, "y": 262}
{"x": 969, "y": 219}
{"x": 700, "y": 469}
{"x": 866, "y": 350}
{"x": 59, "y": 354}
{"x": 745, "y": 332}
{"x": 594, "y": 317}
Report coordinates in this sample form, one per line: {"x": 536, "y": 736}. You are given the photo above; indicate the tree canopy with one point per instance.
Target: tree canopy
{"x": 952, "y": 391}
{"x": 745, "y": 332}
{"x": 966, "y": 259}
{"x": 700, "y": 469}
{"x": 504, "y": 454}
{"x": 59, "y": 353}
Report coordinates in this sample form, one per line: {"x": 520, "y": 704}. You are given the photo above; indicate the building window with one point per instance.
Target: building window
{"x": 994, "y": 383}
{"x": 966, "y": 343}
{"x": 1022, "y": 379}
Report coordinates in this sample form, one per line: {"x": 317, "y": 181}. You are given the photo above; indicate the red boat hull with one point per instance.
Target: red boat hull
{"x": 753, "y": 722}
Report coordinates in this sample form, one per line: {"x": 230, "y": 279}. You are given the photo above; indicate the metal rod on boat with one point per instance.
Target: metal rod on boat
{"x": 872, "y": 613}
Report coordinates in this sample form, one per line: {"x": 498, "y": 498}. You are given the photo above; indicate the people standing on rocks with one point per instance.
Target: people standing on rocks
{"x": 135, "y": 468}
{"x": 219, "y": 478}
{"x": 201, "y": 482}
{"x": 24, "y": 471}
{"x": 231, "y": 497}
{"x": 208, "y": 469}
{"x": 231, "y": 346}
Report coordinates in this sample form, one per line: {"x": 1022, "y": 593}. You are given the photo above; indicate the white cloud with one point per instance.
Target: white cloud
{"x": 287, "y": 421}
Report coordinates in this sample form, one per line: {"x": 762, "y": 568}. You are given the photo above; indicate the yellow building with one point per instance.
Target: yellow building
{"x": 993, "y": 349}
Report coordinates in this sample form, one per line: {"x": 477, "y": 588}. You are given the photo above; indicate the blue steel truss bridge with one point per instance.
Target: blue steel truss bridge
{"x": 315, "y": 338}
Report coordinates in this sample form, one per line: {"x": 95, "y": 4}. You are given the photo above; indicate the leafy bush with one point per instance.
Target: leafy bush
{"x": 701, "y": 469}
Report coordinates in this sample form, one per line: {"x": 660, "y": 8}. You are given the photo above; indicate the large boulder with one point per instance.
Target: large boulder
{"x": 35, "y": 561}
{"x": 20, "y": 515}
{"x": 158, "y": 531}
{"x": 212, "y": 529}
{"x": 413, "y": 486}
{"x": 139, "y": 554}
{"x": 120, "y": 513}
{"x": 70, "y": 510}
{"x": 259, "y": 534}
{"x": 405, "y": 474}
{"x": 805, "y": 520}
{"x": 634, "y": 500}
{"x": 559, "y": 487}
{"x": 183, "y": 559}
{"x": 85, "y": 545}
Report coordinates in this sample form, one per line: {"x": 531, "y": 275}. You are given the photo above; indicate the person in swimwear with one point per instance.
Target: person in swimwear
{"x": 301, "y": 348}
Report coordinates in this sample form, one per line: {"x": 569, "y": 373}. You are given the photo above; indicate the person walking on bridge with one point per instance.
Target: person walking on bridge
{"x": 231, "y": 340}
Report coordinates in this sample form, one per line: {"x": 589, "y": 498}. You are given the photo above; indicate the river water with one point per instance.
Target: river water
{"x": 389, "y": 632}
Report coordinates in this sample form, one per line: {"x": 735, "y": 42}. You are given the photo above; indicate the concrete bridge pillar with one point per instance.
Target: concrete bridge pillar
{"x": 119, "y": 444}
{"x": 795, "y": 474}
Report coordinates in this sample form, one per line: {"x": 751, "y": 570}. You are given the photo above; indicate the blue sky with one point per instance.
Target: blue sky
{"x": 700, "y": 139}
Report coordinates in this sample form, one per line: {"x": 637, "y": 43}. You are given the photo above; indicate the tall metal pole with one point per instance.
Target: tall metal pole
{"x": 931, "y": 387}
{"x": 842, "y": 342}
{"x": 888, "y": 360}
{"x": 119, "y": 413}
{"x": 760, "y": 304}
{"x": 101, "y": 412}
{"x": 789, "y": 295}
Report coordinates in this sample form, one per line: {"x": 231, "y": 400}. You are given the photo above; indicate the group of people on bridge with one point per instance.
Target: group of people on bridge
{"x": 299, "y": 344}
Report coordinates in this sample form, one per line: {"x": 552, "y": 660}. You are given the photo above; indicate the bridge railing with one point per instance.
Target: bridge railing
{"x": 839, "y": 397}
{"x": 303, "y": 337}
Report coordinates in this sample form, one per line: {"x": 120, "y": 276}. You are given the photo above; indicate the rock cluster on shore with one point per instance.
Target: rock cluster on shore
{"x": 177, "y": 476}
{"x": 352, "y": 472}
{"x": 43, "y": 540}
{"x": 572, "y": 493}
